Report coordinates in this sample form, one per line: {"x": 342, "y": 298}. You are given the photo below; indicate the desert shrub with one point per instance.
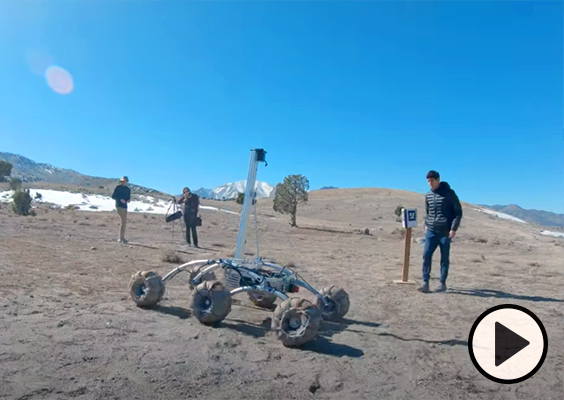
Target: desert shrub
{"x": 397, "y": 213}
{"x": 240, "y": 198}
{"x": 171, "y": 257}
{"x": 21, "y": 202}
{"x": 38, "y": 196}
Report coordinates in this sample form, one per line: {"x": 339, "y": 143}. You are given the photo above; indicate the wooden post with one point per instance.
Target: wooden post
{"x": 405, "y": 271}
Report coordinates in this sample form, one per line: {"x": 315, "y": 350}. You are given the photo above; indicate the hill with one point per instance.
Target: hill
{"x": 544, "y": 218}
{"x": 44, "y": 176}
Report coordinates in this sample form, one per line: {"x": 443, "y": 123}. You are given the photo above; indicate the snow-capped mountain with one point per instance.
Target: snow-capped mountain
{"x": 231, "y": 190}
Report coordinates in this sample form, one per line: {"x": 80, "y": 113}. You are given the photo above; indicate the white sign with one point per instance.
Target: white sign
{"x": 409, "y": 217}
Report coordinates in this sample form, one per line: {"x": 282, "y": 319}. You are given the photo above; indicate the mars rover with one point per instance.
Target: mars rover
{"x": 295, "y": 320}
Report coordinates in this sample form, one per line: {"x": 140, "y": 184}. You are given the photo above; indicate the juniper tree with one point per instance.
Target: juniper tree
{"x": 290, "y": 193}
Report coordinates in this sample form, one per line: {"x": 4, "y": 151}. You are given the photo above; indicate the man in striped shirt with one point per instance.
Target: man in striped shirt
{"x": 442, "y": 219}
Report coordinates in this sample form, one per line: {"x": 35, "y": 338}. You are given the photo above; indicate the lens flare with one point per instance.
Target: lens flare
{"x": 59, "y": 80}
{"x": 38, "y": 60}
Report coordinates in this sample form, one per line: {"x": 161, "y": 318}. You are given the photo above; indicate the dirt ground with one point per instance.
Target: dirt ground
{"x": 69, "y": 328}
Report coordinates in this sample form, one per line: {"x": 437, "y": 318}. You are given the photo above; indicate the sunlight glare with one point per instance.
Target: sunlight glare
{"x": 59, "y": 79}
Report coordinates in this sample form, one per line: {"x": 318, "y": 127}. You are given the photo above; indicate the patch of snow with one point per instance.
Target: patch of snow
{"x": 553, "y": 234}
{"x": 95, "y": 202}
{"x": 501, "y": 215}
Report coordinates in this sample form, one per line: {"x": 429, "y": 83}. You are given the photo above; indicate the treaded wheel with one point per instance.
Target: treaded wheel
{"x": 146, "y": 288}
{"x": 296, "y": 321}
{"x": 339, "y": 302}
{"x": 211, "y": 302}
{"x": 262, "y": 299}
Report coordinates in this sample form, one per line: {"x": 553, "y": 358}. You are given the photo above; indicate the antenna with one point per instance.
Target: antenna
{"x": 257, "y": 155}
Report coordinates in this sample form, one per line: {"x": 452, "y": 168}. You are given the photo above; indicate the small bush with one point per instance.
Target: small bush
{"x": 240, "y": 198}
{"x": 171, "y": 257}
{"x": 38, "y": 196}
{"x": 397, "y": 212}
{"x": 21, "y": 202}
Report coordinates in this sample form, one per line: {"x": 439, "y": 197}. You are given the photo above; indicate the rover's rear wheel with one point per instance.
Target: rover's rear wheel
{"x": 146, "y": 288}
{"x": 296, "y": 321}
{"x": 338, "y": 300}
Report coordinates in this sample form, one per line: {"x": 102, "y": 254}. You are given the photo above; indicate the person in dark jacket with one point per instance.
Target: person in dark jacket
{"x": 442, "y": 220}
{"x": 122, "y": 196}
{"x": 191, "y": 205}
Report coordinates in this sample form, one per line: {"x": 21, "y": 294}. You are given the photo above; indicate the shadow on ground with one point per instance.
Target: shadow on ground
{"x": 448, "y": 342}
{"x": 502, "y": 295}
{"x": 322, "y": 345}
{"x": 179, "y": 312}
{"x": 247, "y": 328}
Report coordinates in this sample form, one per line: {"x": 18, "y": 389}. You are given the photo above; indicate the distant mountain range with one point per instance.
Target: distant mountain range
{"x": 544, "y": 218}
{"x": 231, "y": 190}
{"x": 29, "y": 171}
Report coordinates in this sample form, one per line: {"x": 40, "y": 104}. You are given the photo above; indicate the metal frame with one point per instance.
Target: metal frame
{"x": 247, "y": 270}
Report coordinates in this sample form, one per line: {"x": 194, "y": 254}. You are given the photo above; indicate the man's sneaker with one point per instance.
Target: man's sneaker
{"x": 122, "y": 240}
{"x": 441, "y": 288}
{"x": 424, "y": 287}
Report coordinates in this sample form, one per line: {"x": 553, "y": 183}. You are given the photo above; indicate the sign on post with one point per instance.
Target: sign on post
{"x": 408, "y": 221}
{"x": 409, "y": 217}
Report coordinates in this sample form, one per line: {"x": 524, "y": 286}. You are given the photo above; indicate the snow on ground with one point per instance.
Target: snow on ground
{"x": 95, "y": 202}
{"x": 553, "y": 234}
{"x": 501, "y": 215}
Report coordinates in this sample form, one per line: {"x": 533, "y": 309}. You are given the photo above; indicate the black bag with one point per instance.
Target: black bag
{"x": 198, "y": 221}
{"x": 174, "y": 216}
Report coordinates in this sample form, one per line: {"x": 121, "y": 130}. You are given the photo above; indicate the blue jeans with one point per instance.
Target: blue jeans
{"x": 432, "y": 240}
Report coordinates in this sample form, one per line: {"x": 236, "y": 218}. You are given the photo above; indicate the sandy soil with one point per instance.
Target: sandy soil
{"x": 69, "y": 329}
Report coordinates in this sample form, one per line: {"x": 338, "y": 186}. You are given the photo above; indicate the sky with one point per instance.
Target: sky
{"x": 348, "y": 94}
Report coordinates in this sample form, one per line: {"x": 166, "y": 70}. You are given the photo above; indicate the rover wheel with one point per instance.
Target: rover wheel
{"x": 146, "y": 288}
{"x": 211, "y": 302}
{"x": 338, "y": 300}
{"x": 296, "y": 321}
{"x": 262, "y": 299}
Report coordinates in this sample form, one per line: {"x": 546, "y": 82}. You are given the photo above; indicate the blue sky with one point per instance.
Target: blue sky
{"x": 349, "y": 94}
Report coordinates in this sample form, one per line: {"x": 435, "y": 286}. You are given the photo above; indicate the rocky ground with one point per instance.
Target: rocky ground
{"x": 69, "y": 328}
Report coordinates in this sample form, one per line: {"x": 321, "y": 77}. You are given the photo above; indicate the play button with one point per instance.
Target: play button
{"x": 507, "y": 344}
